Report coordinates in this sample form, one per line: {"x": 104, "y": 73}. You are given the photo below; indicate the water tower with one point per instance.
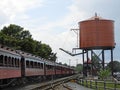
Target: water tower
{"x": 96, "y": 33}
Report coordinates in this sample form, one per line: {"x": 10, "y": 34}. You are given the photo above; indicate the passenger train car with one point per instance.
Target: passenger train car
{"x": 18, "y": 67}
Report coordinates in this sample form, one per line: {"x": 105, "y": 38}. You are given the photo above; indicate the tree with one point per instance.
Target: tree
{"x": 103, "y": 74}
{"x": 65, "y": 64}
{"x": 116, "y": 65}
{"x": 27, "y": 45}
{"x": 60, "y": 63}
{"x": 2, "y": 38}
{"x": 52, "y": 57}
{"x": 79, "y": 68}
{"x": 44, "y": 51}
{"x": 25, "y": 34}
{"x": 12, "y": 30}
{"x": 16, "y": 31}
{"x": 7, "y": 40}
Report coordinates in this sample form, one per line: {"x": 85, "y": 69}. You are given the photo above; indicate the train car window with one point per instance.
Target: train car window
{"x": 56, "y": 68}
{"x": 46, "y": 66}
{"x": 9, "y": 61}
{"x": 41, "y": 65}
{"x": 16, "y": 62}
{"x": 59, "y": 68}
{"x": 1, "y": 60}
{"x": 50, "y": 67}
{"x": 38, "y": 65}
{"x": 27, "y": 64}
{"x": 13, "y": 62}
{"x": 35, "y": 64}
{"x": 19, "y": 63}
{"x": 5, "y": 61}
{"x": 31, "y": 64}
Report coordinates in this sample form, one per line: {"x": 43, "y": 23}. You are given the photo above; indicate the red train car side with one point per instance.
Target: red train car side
{"x": 18, "y": 66}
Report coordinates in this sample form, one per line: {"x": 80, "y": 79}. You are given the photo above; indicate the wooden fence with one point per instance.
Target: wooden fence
{"x": 99, "y": 85}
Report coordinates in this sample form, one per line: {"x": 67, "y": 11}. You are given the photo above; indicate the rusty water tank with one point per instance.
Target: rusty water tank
{"x": 96, "y": 33}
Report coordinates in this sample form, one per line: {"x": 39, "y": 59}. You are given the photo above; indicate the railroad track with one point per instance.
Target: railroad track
{"x": 50, "y": 85}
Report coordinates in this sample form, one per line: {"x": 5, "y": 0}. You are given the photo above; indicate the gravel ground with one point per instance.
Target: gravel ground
{"x": 72, "y": 86}
{"x": 60, "y": 87}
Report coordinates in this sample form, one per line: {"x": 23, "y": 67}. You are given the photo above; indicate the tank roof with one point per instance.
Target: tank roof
{"x": 96, "y": 17}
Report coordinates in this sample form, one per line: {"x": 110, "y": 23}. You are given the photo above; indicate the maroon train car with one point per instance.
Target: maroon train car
{"x": 49, "y": 68}
{"x": 34, "y": 66}
{"x": 10, "y": 65}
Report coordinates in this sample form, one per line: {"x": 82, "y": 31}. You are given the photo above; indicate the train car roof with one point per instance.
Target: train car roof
{"x": 61, "y": 65}
{"x": 57, "y": 64}
{"x": 49, "y": 62}
{"x": 6, "y": 51}
{"x": 30, "y": 57}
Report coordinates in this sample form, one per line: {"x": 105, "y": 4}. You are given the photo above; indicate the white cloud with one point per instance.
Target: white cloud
{"x": 16, "y": 6}
{"x": 13, "y": 9}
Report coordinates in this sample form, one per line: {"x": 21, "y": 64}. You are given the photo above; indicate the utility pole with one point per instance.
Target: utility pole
{"x": 77, "y": 32}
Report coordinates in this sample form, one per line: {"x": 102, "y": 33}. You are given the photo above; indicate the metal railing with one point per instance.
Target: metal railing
{"x": 100, "y": 85}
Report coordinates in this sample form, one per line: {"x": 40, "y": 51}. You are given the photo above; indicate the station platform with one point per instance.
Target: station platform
{"x": 75, "y": 86}
{"x": 71, "y": 86}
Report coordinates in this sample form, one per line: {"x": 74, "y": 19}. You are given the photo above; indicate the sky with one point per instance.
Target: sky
{"x": 51, "y": 21}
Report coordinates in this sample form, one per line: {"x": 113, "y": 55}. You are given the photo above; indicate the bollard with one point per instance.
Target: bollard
{"x": 96, "y": 84}
{"x": 104, "y": 85}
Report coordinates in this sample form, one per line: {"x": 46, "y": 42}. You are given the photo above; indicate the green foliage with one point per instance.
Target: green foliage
{"x": 12, "y": 30}
{"x": 16, "y": 37}
{"x": 103, "y": 74}
{"x": 27, "y": 44}
{"x": 79, "y": 68}
{"x": 116, "y": 66}
{"x": 60, "y": 63}
{"x": 65, "y": 64}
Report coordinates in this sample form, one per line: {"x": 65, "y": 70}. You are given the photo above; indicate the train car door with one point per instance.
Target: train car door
{"x": 44, "y": 69}
{"x": 22, "y": 66}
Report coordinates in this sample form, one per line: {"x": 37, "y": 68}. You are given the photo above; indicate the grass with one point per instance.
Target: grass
{"x": 100, "y": 84}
